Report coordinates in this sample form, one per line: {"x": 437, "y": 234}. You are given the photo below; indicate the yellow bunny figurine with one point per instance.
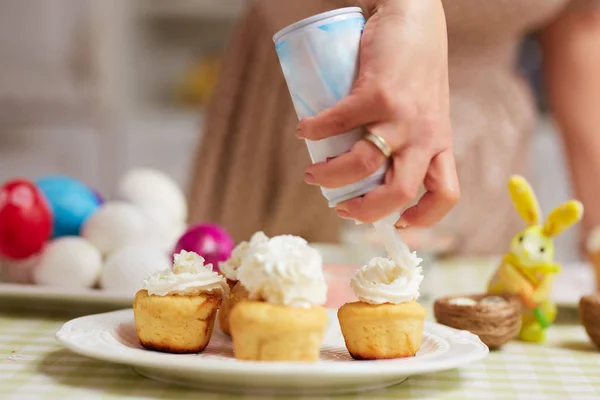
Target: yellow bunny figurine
{"x": 528, "y": 269}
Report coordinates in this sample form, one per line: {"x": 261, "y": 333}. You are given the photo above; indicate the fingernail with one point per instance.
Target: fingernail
{"x": 299, "y": 133}
{"x": 342, "y": 213}
{"x": 308, "y": 178}
{"x": 401, "y": 224}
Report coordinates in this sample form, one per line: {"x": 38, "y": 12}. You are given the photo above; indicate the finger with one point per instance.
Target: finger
{"x": 352, "y": 111}
{"x": 401, "y": 187}
{"x": 441, "y": 183}
{"x": 360, "y": 162}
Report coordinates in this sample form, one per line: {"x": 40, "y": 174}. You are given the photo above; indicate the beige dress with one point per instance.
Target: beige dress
{"x": 249, "y": 169}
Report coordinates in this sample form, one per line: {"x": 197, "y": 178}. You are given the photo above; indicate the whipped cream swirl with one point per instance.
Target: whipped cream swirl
{"x": 392, "y": 280}
{"x": 230, "y": 267}
{"x": 384, "y": 281}
{"x": 189, "y": 276}
{"x": 397, "y": 250}
{"x": 284, "y": 270}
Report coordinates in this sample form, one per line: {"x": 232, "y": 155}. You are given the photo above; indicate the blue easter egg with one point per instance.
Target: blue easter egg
{"x": 71, "y": 202}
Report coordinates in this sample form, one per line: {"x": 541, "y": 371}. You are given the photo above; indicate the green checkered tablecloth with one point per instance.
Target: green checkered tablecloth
{"x": 34, "y": 366}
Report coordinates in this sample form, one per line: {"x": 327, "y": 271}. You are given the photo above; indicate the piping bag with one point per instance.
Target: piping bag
{"x": 397, "y": 250}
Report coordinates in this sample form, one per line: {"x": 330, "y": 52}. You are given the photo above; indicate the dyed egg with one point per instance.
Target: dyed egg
{"x": 71, "y": 201}
{"x": 68, "y": 261}
{"x": 125, "y": 269}
{"x": 117, "y": 224}
{"x": 210, "y": 241}
{"x": 156, "y": 193}
{"x": 25, "y": 220}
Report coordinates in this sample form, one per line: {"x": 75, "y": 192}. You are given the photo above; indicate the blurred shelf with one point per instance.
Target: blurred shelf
{"x": 41, "y": 112}
{"x": 32, "y": 97}
{"x": 222, "y": 9}
{"x": 166, "y": 119}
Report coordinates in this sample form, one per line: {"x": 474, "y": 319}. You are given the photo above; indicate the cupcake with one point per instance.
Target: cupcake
{"x": 176, "y": 309}
{"x": 593, "y": 251}
{"x": 589, "y": 311}
{"x": 283, "y": 319}
{"x": 229, "y": 269}
{"x": 386, "y": 322}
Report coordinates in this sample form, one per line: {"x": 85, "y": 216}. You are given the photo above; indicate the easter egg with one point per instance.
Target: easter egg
{"x": 25, "y": 220}
{"x": 167, "y": 236}
{"x": 463, "y": 301}
{"x": 117, "y": 224}
{"x": 71, "y": 201}
{"x": 125, "y": 269}
{"x": 210, "y": 241}
{"x": 69, "y": 261}
{"x": 156, "y": 193}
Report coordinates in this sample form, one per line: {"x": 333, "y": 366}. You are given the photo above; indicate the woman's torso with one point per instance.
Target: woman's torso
{"x": 492, "y": 110}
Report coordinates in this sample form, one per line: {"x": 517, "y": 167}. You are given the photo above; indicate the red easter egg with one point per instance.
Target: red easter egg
{"x": 25, "y": 219}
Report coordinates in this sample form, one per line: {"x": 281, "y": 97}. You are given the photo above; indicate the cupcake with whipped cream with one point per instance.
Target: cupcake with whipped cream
{"x": 386, "y": 322}
{"x": 230, "y": 269}
{"x": 283, "y": 318}
{"x": 176, "y": 309}
{"x": 593, "y": 251}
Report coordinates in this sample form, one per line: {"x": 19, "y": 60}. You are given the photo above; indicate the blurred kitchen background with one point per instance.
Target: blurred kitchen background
{"x": 92, "y": 88}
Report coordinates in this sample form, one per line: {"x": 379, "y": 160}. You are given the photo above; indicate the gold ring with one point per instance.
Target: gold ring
{"x": 380, "y": 143}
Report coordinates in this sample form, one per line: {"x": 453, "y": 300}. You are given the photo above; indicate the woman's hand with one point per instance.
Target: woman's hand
{"x": 401, "y": 94}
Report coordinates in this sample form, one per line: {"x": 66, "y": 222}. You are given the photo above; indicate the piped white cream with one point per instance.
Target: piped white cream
{"x": 188, "y": 276}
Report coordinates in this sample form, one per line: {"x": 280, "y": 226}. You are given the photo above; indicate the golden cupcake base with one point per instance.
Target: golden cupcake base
{"x": 383, "y": 331}
{"x": 237, "y": 294}
{"x": 266, "y": 332}
{"x": 175, "y": 323}
{"x": 494, "y": 323}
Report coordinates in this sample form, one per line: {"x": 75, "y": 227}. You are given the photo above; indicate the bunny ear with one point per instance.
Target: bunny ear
{"x": 524, "y": 200}
{"x": 563, "y": 217}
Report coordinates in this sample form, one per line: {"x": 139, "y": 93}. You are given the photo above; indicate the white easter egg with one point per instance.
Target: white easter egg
{"x": 169, "y": 235}
{"x": 156, "y": 193}
{"x": 68, "y": 261}
{"x": 163, "y": 235}
{"x": 117, "y": 224}
{"x": 493, "y": 300}
{"x": 463, "y": 301}
{"x": 125, "y": 270}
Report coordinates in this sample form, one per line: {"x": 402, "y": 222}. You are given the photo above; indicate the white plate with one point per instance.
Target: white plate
{"x": 111, "y": 337}
{"x": 15, "y": 291}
